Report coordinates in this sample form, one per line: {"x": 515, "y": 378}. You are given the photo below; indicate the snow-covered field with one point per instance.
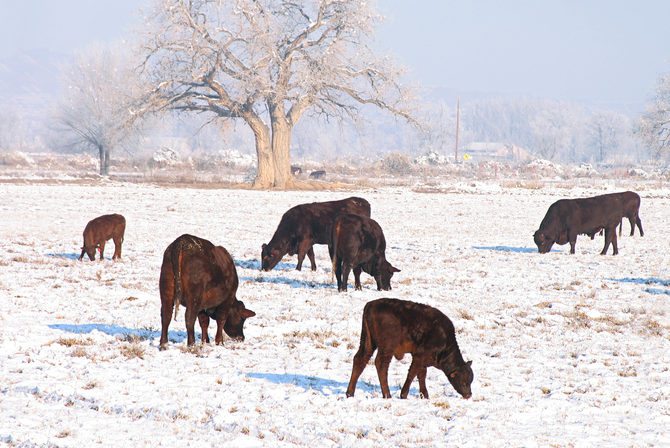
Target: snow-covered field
{"x": 566, "y": 350}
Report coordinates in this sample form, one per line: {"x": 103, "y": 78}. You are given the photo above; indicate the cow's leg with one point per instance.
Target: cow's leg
{"x": 572, "y": 238}
{"x": 411, "y": 374}
{"x": 312, "y": 261}
{"x": 166, "y": 287}
{"x": 117, "y": 248}
{"x": 346, "y": 269}
{"x": 608, "y": 239}
{"x": 203, "y": 319}
{"x": 382, "y": 362}
{"x": 303, "y": 247}
{"x": 620, "y": 227}
{"x": 218, "y": 338}
{"x": 338, "y": 273}
{"x": 422, "y": 382}
{"x": 190, "y": 316}
{"x": 615, "y": 247}
{"x": 357, "y": 277}
{"x": 361, "y": 359}
{"x": 639, "y": 225}
{"x": 102, "y": 250}
{"x": 83, "y": 251}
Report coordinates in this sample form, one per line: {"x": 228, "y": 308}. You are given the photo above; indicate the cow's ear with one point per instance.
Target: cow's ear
{"x": 469, "y": 363}
{"x": 264, "y": 246}
{"x": 394, "y": 269}
{"x": 247, "y": 313}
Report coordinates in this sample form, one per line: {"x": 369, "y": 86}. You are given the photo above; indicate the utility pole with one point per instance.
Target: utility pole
{"x": 458, "y": 119}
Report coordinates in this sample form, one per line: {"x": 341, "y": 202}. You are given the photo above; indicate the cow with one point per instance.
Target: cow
{"x": 567, "y": 218}
{"x": 395, "y": 327}
{"x": 318, "y": 174}
{"x": 296, "y": 170}
{"x": 101, "y": 229}
{"x": 303, "y": 226}
{"x": 630, "y": 209}
{"x": 358, "y": 243}
{"x": 203, "y": 278}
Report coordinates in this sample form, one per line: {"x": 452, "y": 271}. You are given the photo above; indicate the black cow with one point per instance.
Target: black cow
{"x": 203, "y": 278}
{"x": 394, "y": 327}
{"x": 358, "y": 243}
{"x": 567, "y": 218}
{"x": 303, "y": 226}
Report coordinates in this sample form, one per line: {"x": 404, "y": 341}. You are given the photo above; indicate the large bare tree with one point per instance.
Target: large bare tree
{"x": 99, "y": 107}
{"x": 268, "y": 62}
{"x": 655, "y": 124}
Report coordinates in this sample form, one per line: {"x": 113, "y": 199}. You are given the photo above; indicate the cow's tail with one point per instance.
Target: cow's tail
{"x": 366, "y": 343}
{"x": 333, "y": 256}
{"x": 176, "y": 254}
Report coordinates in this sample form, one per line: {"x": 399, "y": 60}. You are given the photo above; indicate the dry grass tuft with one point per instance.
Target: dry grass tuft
{"x": 133, "y": 350}
{"x": 465, "y": 314}
{"x": 71, "y": 342}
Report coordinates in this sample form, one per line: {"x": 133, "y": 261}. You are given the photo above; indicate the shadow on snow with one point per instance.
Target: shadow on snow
{"x": 647, "y": 281}
{"x": 293, "y": 283}
{"x": 306, "y": 382}
{"x": 115, "y": 330}
{"x": 524, "y": 250}
{"x": 256, "y": 265}
{"x": 74, "y": 256}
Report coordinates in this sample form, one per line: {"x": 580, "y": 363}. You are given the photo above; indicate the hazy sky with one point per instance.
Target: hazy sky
{"x": 603, "y": 52}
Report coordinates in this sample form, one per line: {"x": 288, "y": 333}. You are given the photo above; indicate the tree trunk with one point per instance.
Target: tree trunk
{"x": 265, "y": 173}
{"x": 101, "y": 156}
{"x": 281, "y": 147}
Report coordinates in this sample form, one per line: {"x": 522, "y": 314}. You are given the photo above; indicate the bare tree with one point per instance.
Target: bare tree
{"x": 655, "y": 123}
{"x": 268, "y": 62}
{"x": 97, "y": 108}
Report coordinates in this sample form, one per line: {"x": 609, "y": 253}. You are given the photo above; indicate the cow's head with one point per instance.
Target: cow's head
{"x": 383, "y": 275}
{"x": 89, "y": 250}
{"x": 270, "y": 256}
{"x": 234, "y": 325}
{"x": 460, "y": 377}
{"x": 543, "y": 241}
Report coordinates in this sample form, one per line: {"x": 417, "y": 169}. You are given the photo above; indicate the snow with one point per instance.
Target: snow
{"x": 567, "y": 350}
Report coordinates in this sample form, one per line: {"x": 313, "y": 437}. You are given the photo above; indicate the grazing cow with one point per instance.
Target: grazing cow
{"x": 318, "y": 174}
{"x": 101, "y": 229}
{"x": 296, "y": 170}
{"x": 394, "y": 327}
{"x": 567, "y": 218}
{"x": 358, "y": 243}
{"x": 203, "y": 278}
{"x": 303, "y": 226}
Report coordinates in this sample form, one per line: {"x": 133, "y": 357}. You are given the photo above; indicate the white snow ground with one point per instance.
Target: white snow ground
{"x": 567, "y": 350}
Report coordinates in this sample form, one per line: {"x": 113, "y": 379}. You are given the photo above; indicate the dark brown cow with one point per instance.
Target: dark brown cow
{"x": 303, "y": 226}
{"x": 358, "y": 243}
{"x": 567, "y": 218}
{"x": 394, "y": 327}
{"x": 101, "y": 229}
{"x": 630, "y": 209}
{"x": 203, "y": 278}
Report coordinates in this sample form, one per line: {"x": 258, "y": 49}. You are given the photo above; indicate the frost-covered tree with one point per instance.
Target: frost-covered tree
{"x": 98, "y": 108}
{"x": 268, "y": 63}
{"x": 655, "y": 123}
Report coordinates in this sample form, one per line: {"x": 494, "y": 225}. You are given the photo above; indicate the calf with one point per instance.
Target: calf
{"x": 101, "y": 229}
{"x": 203, "y": 278}
{"x": 303, "y": 226}
{"x": 394, "y": 327}
{"x": 358, "y": 243}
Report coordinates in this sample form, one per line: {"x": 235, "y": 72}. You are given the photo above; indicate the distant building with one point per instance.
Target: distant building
{"x": 501, "y": 152}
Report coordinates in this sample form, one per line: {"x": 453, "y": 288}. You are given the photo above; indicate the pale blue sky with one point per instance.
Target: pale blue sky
{"x": 599, "y": 52}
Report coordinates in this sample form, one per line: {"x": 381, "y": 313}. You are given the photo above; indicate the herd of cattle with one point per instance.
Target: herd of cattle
{"x": 202, "y": 277}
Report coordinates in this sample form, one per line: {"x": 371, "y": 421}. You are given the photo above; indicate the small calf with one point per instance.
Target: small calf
{"x": 358, "y": 243}
{"x": 394, "y": 327}
{"x": 100, "y": 230}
